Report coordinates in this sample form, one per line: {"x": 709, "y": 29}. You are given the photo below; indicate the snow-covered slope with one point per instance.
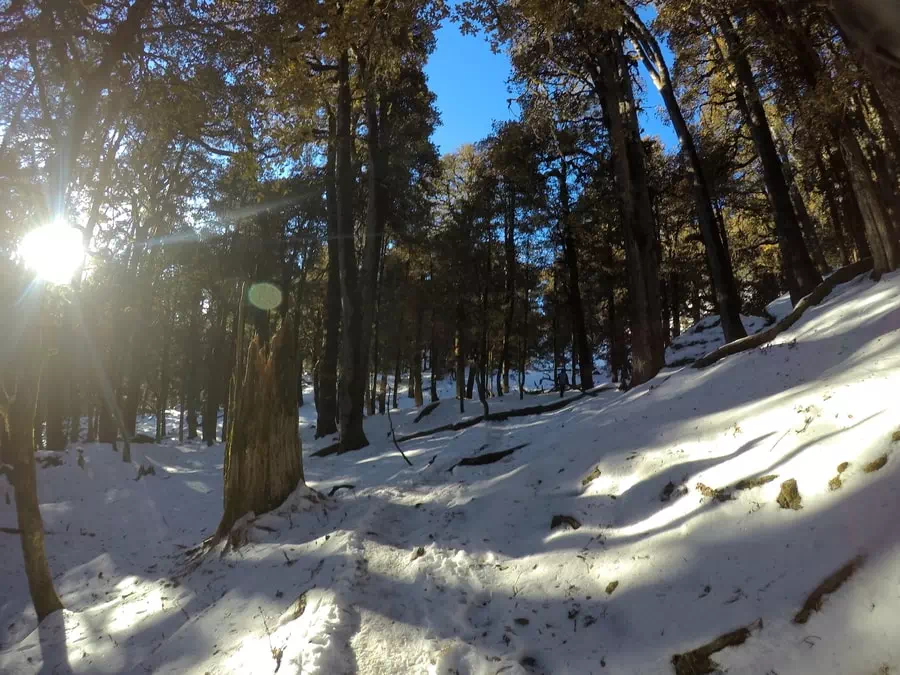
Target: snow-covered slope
{"x": 443, "y": 568}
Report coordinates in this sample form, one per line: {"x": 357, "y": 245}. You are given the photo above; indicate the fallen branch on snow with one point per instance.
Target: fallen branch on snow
{"x": 698, "y": 662}
{"x": 821, "y": 292}
{"x": 830, "y": 585}
{"x": 335, "y": 448}
{"x": 487, "y": 458}
{"x": 426, "y": 411}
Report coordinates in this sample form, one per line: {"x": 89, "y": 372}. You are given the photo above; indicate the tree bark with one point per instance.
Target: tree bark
{"x": 17, "y": 414}
{"x": 263, "y": 456}
{"x": 576, "y": 306}
{"x": 460, "y": 352}
{"x": 354, "y": 346}
{"x": 879, "y": 231}
{"x": 326, "y": 407}
{"x": 613, "y": 82}
{"x": 509, "y": 248}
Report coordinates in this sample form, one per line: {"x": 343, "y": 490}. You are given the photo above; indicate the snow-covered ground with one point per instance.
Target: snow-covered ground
{"x": 441, "y": 568}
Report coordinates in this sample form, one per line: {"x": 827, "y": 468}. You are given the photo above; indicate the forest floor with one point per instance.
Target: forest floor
{"x": 465, "y": 568}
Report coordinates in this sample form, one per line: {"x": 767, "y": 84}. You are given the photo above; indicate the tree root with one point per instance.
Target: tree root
{"x": 821, "y": 292}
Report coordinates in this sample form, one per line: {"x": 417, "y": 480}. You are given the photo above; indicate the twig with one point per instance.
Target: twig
{"x": 394, "y": 433}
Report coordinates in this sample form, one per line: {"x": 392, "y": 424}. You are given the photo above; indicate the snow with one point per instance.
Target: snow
{"x": 436, "y": 569}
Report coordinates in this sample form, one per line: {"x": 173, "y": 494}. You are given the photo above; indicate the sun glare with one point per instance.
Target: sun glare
{"x": 53, "y": 252}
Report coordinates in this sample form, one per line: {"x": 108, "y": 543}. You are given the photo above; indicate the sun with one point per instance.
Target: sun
{"x": 53, "y": 252}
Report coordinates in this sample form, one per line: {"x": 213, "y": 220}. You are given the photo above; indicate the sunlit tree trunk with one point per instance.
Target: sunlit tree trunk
{"x": 263, "y": 457}
{"x": 17, "y": 414}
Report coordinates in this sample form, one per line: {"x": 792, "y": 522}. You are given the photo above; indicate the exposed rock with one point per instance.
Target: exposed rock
{"x": 789, "y": 498}
{"x": 843, "y": 466}
{"x": 611, "y": 587}
{"x": 559, "y": 521}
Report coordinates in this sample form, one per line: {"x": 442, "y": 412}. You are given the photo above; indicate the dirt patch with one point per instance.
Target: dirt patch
{"x": 698, "y": 661}
{"x": 611, "y": 587}
{"x": 790, "y": 498}
{"x": 877, "y": 465}
{"x": 835, "y": 484}
{"x": 830, "y": 585}
{"x": 895, "y": 437}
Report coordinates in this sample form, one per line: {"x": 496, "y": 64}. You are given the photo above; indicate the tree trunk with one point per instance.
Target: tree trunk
{"x": 576, "y": 306}
{"x": 675, "y": 296}
{"x": 435, "y": 360}
{"x": 56, "y": 377}
{"x": 215, "y": 365}
{"x": 17, "y": 415}
{"x": 382, "y": 392}
{"x": 263, "y": 456}
{"x": 470, "y": 378}
{"x": 509, "y": 248}
{"x": 192, "y": 384}
{"x": 354, "y": 345}
{"x": 162, "y": 393}
{"x": 800, "y": 272}
{"x": 613, "y": 82}
{"x": 879, "y": 231}
{"x": 394, "y": 401}
{"x": 719, "y": 262}
{"x": 326, "y": 407}
{"x": 460, "y": 352}
{"x": 827, "y": 186}
{"x": 803, "y": 216}
{"x": 415, "y": 375}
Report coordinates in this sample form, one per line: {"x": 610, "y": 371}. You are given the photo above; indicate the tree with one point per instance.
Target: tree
{"x": 263, "y": 458}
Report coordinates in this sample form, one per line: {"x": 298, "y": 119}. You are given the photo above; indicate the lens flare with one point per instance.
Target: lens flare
{"x": 53, "y": 252}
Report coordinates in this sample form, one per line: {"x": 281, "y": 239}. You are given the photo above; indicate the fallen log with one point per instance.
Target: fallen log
{"x": 426, "y": 411}
{"x": 502, "y": 416}
{"x": 821, "y": 292}
{"x": 487, "y": 458}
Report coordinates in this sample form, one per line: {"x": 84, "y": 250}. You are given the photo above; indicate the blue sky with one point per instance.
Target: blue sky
{"x": 470, "y": 83}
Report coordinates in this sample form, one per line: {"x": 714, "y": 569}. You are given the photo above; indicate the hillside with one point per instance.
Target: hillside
{"x": 671, "y": 533}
